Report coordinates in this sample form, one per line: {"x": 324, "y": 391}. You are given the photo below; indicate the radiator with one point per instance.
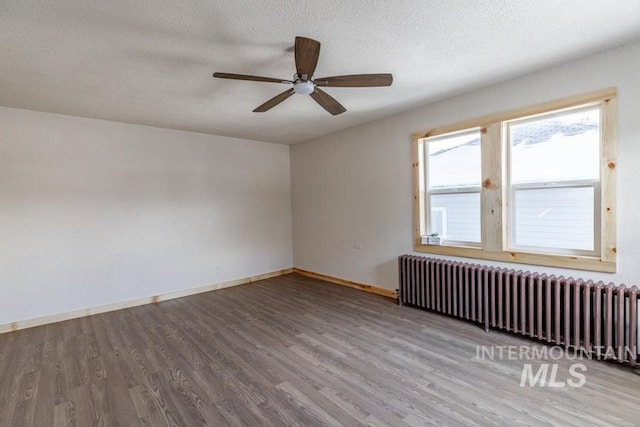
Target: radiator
{"x": 599, "y": 319}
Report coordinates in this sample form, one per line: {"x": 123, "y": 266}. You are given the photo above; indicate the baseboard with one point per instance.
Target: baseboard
{"x": 31, "y": 323}
{"x": 15, "y": 326}
{"x": 361, "y": 286}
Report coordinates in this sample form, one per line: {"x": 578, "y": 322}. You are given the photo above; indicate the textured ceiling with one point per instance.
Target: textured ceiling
{"x": 150, "y": 62}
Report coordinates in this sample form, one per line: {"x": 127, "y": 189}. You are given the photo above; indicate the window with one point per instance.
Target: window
{"x": 453, "y": 187}
{"x": 554, "y": 180}
{"x": 535, "y": 186}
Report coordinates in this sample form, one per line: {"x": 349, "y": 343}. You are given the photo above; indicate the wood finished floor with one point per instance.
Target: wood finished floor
{"x": 287, "y": 351}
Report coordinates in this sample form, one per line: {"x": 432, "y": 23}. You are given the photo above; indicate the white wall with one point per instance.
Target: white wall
{"x": 355, "y": 185}
{"x": 95, "y": 212}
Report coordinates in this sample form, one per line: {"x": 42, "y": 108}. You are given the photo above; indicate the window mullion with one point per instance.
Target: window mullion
{"x": 491, "y": 195}
{"x": 608, "y": 163}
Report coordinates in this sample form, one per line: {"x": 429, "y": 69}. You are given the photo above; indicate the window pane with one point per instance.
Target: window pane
{"x": 561, "y": 147}
{"x": 560, "y": 218}
{"x": 456, "y": 216}
{"x": 454, "y": 161}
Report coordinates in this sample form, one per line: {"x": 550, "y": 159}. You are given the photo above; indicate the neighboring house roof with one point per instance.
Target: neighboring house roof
{"x": 535, "y": 132}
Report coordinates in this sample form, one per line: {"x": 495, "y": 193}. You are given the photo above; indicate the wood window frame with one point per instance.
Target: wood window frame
{"x": 494, "y": 219}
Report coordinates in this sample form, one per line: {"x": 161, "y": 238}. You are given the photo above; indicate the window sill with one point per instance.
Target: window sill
{"x": 561, "y": 261}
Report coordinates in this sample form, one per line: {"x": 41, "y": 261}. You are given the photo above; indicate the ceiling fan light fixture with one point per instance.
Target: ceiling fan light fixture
{"x": 303, "y": 87}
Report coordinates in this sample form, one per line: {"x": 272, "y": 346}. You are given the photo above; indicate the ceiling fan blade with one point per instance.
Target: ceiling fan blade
{"x": 307, "y": 52}
{"x": 356, "y": 80}
{"x": 250, "y": 78}
{"x": 327, "y": 102}
{"x": 274, "y": 101}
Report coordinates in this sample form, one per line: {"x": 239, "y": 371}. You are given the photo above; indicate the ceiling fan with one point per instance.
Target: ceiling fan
{"x": 306, "y": 53}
